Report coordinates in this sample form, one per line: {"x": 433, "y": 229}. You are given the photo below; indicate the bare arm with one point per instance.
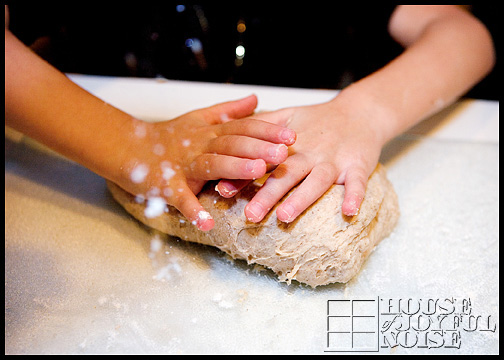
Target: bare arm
{"x": 447, "y": 52}
{"x": 170, "y": 160}
{"x": 44, "y": 104}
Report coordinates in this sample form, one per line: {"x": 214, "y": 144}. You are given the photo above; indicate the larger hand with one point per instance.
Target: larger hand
{"x": 336, "y": 143}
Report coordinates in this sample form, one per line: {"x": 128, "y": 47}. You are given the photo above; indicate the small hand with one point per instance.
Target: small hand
{"x": 171, "y": 161}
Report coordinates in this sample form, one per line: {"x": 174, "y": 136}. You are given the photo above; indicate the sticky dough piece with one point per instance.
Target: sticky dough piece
{"x": 320, "y": 247}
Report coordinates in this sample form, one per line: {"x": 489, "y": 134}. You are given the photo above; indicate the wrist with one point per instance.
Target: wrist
{"x": 132, "y": 149}
{"x": 364, "y": 104}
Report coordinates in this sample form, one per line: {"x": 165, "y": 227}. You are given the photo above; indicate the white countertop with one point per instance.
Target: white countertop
{"x": 82, "y": 277}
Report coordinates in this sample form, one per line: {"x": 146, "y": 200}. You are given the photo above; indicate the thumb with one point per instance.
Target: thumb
{"x": 231, "y": 110}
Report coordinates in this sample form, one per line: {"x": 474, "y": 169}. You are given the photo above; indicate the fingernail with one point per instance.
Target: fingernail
{"x": 256, "y": 210}
{"x": 288, "y": 210}
{"x": 276, "y": 151}
{"x": 226, "y": 191}
{"x": 250, "y": 165}
{"x": 255, "y": 166}
{"x": 288, "y": 136}
{"x": 351, "y": 208}
{"x": 203, "y": 218}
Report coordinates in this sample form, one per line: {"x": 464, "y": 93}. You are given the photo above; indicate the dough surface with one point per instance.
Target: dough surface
{"x": 320, "y": 247}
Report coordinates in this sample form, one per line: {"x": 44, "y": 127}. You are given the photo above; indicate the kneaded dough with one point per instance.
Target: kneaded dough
{"x": 321, "y": 246}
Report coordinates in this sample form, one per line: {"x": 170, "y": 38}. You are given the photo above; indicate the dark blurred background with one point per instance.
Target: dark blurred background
{"x": 306, "y": 44}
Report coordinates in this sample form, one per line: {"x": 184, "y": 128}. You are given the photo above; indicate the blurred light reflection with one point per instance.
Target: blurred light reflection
{"x": 240, "y": 51}
{"x": 241, "y": 27}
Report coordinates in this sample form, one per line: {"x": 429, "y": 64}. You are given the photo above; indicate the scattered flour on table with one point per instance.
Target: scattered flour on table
{"x": 229, "y": 301}
{"x": 223, "y": 303}
{"x": 166, "y": 265}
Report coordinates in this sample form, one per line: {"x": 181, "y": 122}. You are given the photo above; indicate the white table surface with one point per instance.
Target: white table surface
{"x": 82, "y": 277}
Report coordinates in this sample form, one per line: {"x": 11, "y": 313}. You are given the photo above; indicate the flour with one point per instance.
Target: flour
{"x": 222, "y": 302}
{"x": 155, "y": 207}
{"x": 139, "y": 173}
{"x": 167, "y": 171}
{"x": 158, "y": 149}
{"x": 167, "y": 266}
{"x": 204, "y": 215}
{"x": 140, "y": 130}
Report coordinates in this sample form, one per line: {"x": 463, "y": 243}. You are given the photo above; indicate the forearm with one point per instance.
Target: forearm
{"x": 165, "y": 162}
{"x": 450, "y": 54}
{"x": 44, "y": 104}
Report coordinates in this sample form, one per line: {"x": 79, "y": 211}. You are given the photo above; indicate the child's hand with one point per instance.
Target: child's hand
{"x": 337, "y": 142}
{"x": 169, "y": 162}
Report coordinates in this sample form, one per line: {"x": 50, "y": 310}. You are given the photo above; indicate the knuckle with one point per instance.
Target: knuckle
{"x": 360, "y": 175}
{"x": 183, "y": 204}
{"x": 245, "y": 126}
{"x": 357, "y": 182}
{"x": 325, "y": 172}
{"x": 221, "y": 144}
{"x": 270, "y": 191}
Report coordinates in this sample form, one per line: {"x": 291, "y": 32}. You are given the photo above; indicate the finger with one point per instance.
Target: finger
{"x": 188, "y": 204}
{"x": 280, "y": 182}
{"x": 230, "y": 110}
{"x": 260, "y": 130}
{"x": 227, "y": 188}
{"x": 355, "y": 188}
{"x": 247, "y": 147}
{"x": 213, "y": 167}
{"x": 313, "y": 187}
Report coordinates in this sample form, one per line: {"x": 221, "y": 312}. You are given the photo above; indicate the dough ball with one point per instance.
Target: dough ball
{"x": 322, "y": 246}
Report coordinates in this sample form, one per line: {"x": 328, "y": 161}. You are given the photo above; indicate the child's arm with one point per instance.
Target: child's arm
{"x": 447, "y": 52}
{"x": 169, "y": 160}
